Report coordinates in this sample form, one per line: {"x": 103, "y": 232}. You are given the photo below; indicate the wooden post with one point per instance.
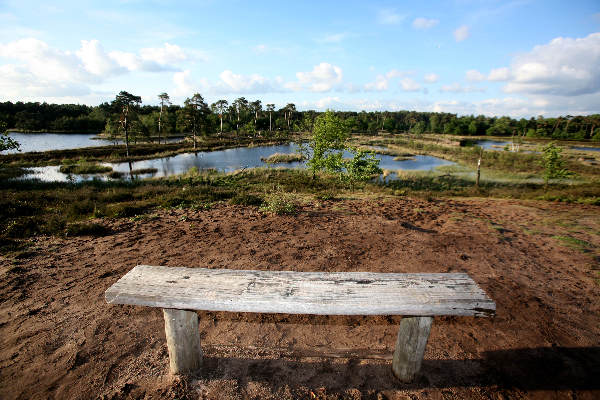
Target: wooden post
{"x": 183, "y": 340}
{"x": 478, "y": 172}
{"x": 410, "y": 347}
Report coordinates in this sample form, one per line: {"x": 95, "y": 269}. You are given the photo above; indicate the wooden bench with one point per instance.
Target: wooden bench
{"x": 418, "y": 297}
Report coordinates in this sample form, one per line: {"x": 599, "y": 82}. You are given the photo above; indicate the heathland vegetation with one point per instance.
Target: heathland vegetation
{"x": 341, "y": 160}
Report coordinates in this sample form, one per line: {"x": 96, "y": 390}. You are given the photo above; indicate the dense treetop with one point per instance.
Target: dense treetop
{"x": 252, "y": 117}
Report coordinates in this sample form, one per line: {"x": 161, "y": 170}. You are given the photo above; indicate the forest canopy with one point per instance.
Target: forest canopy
{"x": 244, "y": 115}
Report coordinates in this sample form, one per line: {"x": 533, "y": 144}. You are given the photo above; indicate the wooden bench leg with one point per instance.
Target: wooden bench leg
{"x": 183, "y": 340}
{"x": 410, "y": 347}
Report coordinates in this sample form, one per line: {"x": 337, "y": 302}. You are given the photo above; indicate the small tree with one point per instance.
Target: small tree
{"x": 362, "y": 167}
{"x": 127, "y": 104}
{"x": 193, "y": 115}
{"x": 220, "y": 107}
{"x": 6, "y": 142}
{"x": 270, "y": 109}
{"x": 553, "y": 163}
{"x": 328, "y": 145}
{"x": 164, "y": 99}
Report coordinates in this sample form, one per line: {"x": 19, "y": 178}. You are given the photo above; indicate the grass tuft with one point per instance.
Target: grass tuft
{"x": 86, "y": 229}
{"x": 283, "y": 158}
{"x": 84, "y": 167}
{"x": 280, "y": 203}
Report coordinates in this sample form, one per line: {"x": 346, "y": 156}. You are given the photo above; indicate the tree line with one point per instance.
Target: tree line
{"x": 126, "y": 115}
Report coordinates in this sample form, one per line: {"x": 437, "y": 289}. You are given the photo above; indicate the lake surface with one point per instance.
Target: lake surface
{"x": 59, "y": 141}
{"x": 225, "y": 160}
{"x": 585, "y": 148}
{"x": 492, "y": 144}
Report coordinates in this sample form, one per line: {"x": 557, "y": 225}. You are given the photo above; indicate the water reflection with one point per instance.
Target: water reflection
{"x": 227, "y": 161}
{"x": 60, "y": 141}
{"x": 492, "y": 144}
{"x": 584, "y": 148}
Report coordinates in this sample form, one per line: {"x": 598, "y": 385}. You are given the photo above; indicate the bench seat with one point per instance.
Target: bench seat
{"x": 322, "y": 293}
{"x": 418, "y": 296}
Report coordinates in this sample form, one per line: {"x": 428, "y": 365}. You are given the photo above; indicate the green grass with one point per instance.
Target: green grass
{"x": 29, "y": 208}
{"x": 574, "y": 243}
{"x": 404, "y": 158}
{"x": 283, "y": 158}
{"x": 86, "y": 229}
{"x": 246, "y": 199}
{"x": 84, "y": 168}
{"x": 280, "y": 203}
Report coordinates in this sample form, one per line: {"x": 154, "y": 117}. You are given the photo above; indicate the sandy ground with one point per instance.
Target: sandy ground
{"x": 59, "y": 338}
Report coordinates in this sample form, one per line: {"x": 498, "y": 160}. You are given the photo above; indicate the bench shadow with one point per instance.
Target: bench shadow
{"x": 542, "y": 368}
{"x": 346, "y": 320}
{"x": 410, "y": 226}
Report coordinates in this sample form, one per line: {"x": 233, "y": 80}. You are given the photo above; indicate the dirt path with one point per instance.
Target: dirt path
{"x": 538, "y": 261}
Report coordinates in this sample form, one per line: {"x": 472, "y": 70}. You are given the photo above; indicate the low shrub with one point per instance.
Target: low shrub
{"x": 280, "y": 203}
{"x": 84, "y": 168}
{"x": 245, "y": 199}
{"x": 86, "y": 229}
{"x": 283, "y": 158}
{"x": 127, "y": 210}
{"x": 143, "y": 171}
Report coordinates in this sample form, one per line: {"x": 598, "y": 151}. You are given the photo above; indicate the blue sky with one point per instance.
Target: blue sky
{"x": 518, "y": 58}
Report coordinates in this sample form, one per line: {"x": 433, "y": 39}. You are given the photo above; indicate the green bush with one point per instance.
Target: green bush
{"x": 85, "y": 229}
{"x": 84, "y": 168}
{"x": 128, "y": 210}
{"x": 283, "y": 158}
{"x": 245, "y": 199}
{"x": 280, "y": 203}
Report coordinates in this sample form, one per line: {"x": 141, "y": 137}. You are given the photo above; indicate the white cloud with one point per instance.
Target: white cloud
{"x": 389, "y": 17}
{"x": 473, "y": 75}
{"x": 395, "y": 73}
{"x": 424, "y": 23}
{"x": 228, "y": 83}
{"x": 409, "y": 85}
{"x": 565, "y": 67}
{"x": 237, "y": 83}
{"x": 461, "y": 33}
{"x": 44, "y": 62}
{"x": 322, "y": 78}
{"x": 184, "y": 86}
{"x": 40, "y": 70}
{"x": 96, "y": 61}
{"x": 328, "y": 102}
{"x": 20, "y": 83}
{"x": 382, "y": 81}
{"x": 431, "y": 78}
{"x": 458, "y": 88}
{"x": 168, "y": 54}
{"x": 499, "y": 74}
{"x": 151, "y": 59}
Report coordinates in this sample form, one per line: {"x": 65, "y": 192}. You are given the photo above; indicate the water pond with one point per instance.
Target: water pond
{"x": 59, "y": 141}
{"x": 494, "y": 145}
{"x": 225, "y": 160}
{"x": 585, "y": 148}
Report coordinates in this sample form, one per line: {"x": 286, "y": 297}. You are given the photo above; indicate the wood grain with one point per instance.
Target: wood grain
{"x": 323, "y": 293}
{"x": 410, "y": 347}
{"x": 183, "y": 341}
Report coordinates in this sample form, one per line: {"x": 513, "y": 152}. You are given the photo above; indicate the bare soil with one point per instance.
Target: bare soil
{"x": 538, "y": 261}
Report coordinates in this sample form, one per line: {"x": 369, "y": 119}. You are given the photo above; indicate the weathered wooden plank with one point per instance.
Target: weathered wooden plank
{"x": 183, "y": 341}
{"x": 410, "y": 347}
{"x": 324, "y": 293}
